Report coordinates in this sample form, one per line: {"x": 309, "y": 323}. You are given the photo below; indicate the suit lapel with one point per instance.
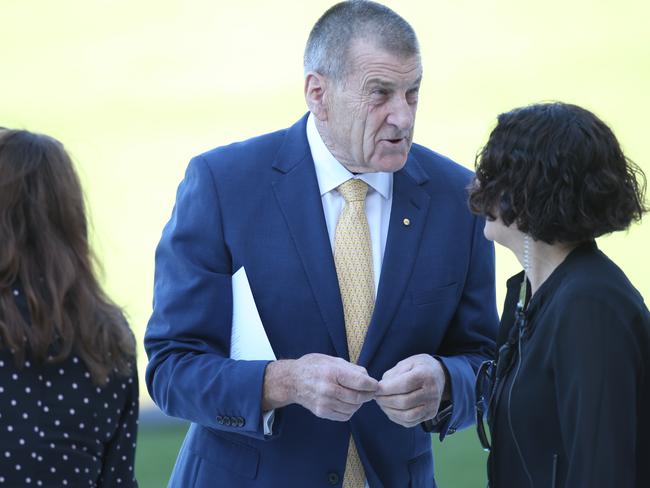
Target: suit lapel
{"x": 410, "y": 202}
{"x": 296, "y": 190}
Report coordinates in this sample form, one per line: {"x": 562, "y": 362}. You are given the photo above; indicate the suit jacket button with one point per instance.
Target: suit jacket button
{"x": 333, "y": 478}
{"x": 219, "y": 419}
{"x": 227, "y": 421}
{"x": 241, "y": 421}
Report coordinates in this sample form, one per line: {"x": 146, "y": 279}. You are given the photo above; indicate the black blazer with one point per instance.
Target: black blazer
{"x": 572, "y": 410}
{"x": 58, "y": 429}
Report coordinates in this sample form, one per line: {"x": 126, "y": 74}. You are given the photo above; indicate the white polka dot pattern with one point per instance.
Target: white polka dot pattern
{"x": 54, "y": 430}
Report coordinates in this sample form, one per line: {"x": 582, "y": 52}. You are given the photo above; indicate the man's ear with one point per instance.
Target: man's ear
{"x": 315, "y": 90}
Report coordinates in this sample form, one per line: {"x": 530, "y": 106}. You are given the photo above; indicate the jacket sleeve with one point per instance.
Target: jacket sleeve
{"x": 190, "y": 374}
{"x": 598, "y": 364}
{"x": 470, "y": 338}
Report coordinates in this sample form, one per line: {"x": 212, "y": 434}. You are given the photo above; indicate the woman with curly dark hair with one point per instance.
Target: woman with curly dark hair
{"x": 568, "y": 398}
{"x": 68, "y": 383}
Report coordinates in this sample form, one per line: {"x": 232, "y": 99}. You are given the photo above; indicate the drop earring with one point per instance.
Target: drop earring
{"x": 524, "y": 284}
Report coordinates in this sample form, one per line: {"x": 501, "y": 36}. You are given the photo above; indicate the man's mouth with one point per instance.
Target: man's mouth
{"x": 395, "y": 141}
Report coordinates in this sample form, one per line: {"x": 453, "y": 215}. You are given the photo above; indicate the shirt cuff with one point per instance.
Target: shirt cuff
{"x": 267, "y": 422}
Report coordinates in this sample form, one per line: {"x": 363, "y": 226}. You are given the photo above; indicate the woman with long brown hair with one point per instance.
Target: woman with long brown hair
{"x": 68, "y": 381}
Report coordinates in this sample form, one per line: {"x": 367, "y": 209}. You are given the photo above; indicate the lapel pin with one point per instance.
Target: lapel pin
{"x": 406, "y": 222}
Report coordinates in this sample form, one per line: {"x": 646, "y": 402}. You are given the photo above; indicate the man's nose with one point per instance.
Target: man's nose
{"x": 402, "y": 114}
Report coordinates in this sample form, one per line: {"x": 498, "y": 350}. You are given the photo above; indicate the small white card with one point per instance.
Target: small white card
{"x": 248, "y": 339}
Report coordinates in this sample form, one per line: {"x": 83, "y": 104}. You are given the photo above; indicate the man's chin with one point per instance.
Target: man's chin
{"x": 390, "y": 164}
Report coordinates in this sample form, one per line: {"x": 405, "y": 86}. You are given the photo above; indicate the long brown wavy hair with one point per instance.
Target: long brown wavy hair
{"x": 44, "y": 251}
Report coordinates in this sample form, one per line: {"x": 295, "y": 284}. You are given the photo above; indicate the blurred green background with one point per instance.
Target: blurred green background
{"x": 460, "y": 462}
{"x": 134, "y": 89}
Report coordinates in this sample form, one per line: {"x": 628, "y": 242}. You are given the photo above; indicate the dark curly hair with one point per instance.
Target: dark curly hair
{"x": 557, "y": 172}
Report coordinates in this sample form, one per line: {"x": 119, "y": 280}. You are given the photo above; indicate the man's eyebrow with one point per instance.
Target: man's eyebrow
{"x": 382, "y": 83}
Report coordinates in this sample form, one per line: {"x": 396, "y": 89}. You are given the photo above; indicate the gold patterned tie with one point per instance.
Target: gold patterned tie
{"x": 353, "y": 259}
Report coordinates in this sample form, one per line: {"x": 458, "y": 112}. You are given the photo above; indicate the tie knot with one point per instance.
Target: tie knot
{"x": 353, "y": 190}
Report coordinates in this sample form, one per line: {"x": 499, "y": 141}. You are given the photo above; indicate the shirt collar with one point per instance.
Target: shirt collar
{"x": 330, "y": 173}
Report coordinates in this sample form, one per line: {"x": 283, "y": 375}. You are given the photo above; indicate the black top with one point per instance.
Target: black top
{"x": 58, "y": 429}
{"x": 573, "y": 409}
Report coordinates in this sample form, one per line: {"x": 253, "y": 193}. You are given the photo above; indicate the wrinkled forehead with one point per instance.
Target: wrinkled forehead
{"x": 368, "y": 61}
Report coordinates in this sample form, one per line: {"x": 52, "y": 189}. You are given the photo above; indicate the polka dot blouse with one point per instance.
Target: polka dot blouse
{"x": 58, "y": 429}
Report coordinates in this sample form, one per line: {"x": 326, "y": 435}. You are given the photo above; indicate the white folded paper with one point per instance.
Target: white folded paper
{"x": 248, "y": 339}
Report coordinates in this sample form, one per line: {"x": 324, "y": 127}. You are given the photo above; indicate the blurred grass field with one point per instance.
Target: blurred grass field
{"x": 156, "y": 453}
{"x": 460, "y": 462}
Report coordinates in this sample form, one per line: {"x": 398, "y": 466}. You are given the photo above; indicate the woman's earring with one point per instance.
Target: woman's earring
{"x": 526, "y": 254}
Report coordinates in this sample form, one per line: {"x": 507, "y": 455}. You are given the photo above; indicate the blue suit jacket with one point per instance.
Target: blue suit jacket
{"x": 257, "y": 204}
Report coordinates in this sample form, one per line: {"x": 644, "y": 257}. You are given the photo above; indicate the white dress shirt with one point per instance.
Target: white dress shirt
{"x": 330, "y": 174}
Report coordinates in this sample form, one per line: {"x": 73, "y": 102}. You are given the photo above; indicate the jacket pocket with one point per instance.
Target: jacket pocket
{"x": 441, "y": 293}
{"x": 217, "y": 450}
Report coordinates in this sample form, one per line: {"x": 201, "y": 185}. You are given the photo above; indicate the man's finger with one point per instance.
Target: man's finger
{"x": 402, "y": 402}
{"x": 355, "y": 380}
{"x": 400, "y": 368}
{"x": 334, "y": 410}
{"x": 353, "y": 397}
{"x": 400, "y": 384}
{"x": 407, "y": 418}
{"x": 333, "y": 415}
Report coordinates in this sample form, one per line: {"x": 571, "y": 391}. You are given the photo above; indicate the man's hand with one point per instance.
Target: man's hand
{"x": 410, "y": 392}
{"x": 329, "y": 387}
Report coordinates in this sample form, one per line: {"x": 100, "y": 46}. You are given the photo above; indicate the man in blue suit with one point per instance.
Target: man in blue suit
{"x": 373, "y": 282}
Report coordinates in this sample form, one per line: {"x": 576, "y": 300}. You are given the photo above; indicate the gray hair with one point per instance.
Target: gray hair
{"x": 332, "y": 35}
